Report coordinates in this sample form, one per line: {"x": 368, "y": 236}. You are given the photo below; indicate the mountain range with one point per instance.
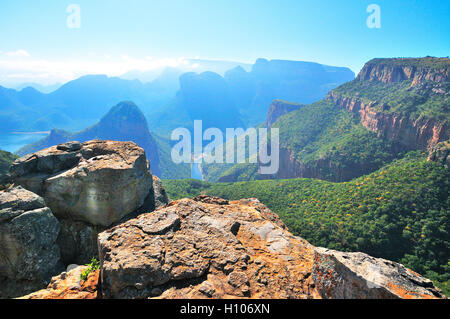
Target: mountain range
{"x": 123, "y": 122}
{"x": 363, "y": 167}
{"x": 393, "y": 106}
{"x": 245, "y": 95}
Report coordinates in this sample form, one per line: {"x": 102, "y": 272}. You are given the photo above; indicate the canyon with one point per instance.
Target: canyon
{"x": 205, "y": 247}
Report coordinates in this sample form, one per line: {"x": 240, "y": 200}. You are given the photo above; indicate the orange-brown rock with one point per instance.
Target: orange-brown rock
{"x": 69, "y": 285}
{"x": 424, "y": 78}
{"x": 421, "y": 133}
{"x": 209, "y": 247}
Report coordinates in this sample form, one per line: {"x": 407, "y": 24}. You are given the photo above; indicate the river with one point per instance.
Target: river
{"x": 196, "y": 172}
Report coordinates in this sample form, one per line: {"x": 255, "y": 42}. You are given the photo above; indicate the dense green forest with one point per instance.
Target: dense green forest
{"x": 399, "y": 212}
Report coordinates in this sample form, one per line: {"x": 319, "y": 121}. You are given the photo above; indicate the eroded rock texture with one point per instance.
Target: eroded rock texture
{"x": 69, "y": 285}
{"x": 441, "y": 153}
{"x": 29, "y": 255}
{"x": 357, "y": 275}
{"x": 89, "y": 187}
{"x": 97, "y": 182}
{"x": 207, "y": 247}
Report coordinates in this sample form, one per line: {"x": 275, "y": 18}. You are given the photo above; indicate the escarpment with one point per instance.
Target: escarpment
{"x": 410, "y": 134}
{"x": 400, "y": 69}
{"x": 278, "y": 108}
{"x": 414, "y": 107}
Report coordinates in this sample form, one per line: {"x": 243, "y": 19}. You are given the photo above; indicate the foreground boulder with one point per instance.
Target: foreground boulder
{"x": 209, "y": 247}
{"x": 97, "y": 182}
{"x": 29, "y": 255}
{"x": 89, "y": 187}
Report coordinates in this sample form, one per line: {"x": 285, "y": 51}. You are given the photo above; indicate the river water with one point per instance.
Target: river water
{"x": 196, "y": 172}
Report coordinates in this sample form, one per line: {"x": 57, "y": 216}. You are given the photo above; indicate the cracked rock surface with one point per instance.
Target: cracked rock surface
{"x": 29, "y": 255}
{"x": 208, "y": 247}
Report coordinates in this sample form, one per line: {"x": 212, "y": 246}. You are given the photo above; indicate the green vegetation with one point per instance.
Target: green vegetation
{"x": 426, "y": 62}
{"x": 322, "y": 131}
{"x": 400, "y": 212}
{"x": 6, "y": 160}
{"x": 319, "y": 133}
{"x": 169, "y": 169}
{"x": 93, "y": 266}
{"x": 235, "y": 172}
{"x": 426, "y": 100}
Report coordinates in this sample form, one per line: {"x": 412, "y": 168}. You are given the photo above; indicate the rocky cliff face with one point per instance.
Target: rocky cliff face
{"x": 278, "y": 108}
{"x": 409, "y": 134}
{"x": 397, "y": 70}
{"x": 292, "y": 168}
{"x": 426, "y": 78}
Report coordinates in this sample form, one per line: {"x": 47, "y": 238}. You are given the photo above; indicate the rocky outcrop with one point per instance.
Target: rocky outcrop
{"x": 339, "y": 275}
{"x": 409, "y": 134}
{"x": 89, "y": 187}
{"x": 425, "y": 79}
{"x": 29, "y": 255}
{"x": 97, "y": 182}
{"x": 402, "y": 69}
{"x": 209, "y": 247}
{"x": 69, "y": 285}
{"x": 441, "y": 153}
{"x": 160, "y": 195}
{"x": 278, "y": 108}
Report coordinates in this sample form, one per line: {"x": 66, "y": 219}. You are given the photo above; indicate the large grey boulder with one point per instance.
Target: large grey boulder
{"x": 89, "y": 187}
{"x": 29, "y": 255}
{"x": 97, "y": 182}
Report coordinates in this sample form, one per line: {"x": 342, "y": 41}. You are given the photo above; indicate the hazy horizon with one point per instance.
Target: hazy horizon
{"x": 54, "y": 42}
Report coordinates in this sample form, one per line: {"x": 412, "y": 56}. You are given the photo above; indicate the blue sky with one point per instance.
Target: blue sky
{"x": 36, "y": 44}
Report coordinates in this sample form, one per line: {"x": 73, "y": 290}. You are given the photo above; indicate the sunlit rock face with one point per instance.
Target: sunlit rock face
{"x": 69, "y": 285}
{"x": 208, "y": 247}
{"x": 88, "y": 187}
{"x": 97, "y": 182}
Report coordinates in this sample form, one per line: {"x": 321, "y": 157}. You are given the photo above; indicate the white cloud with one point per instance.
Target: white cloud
{"x": 18, "y": 53}
{"x": 18, "y": 67}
